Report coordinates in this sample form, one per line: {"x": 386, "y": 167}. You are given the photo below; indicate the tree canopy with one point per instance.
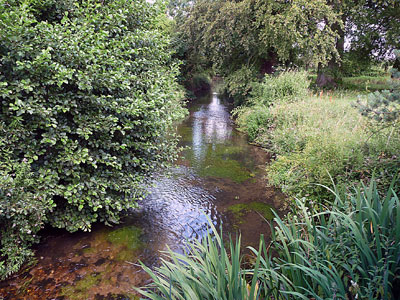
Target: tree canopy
{"x": 263, "y": 34}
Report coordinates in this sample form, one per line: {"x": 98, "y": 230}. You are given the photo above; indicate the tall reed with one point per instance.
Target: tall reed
{"x": 206, "y": 271}
{"x": 350, "y": 250}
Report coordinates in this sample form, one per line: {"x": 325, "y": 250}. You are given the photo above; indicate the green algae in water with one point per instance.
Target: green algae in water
{"x": 186, "y": 133}
{"x": 80, "y": 289}
{"x": 127, "y": 237}
{"x": 239, "y": 210}
{"x": 219, "y": 163}
{"x": 228, "y": 168}
{"x": 264, "y": 209}
{"x": 218, "y": 160}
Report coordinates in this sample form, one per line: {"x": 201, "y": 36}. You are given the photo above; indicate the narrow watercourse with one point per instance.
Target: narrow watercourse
{"x": 219, "y": 175}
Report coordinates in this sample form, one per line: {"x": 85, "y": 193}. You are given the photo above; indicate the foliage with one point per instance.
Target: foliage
{"x": 317, "y": 136}
{"x": 206, "y": 271}
{"x": 384, "y": 107}
{"x": 372, "y": 32}
{"x": 239, "y": 83}
{"x": 253, "y": 120}
{"x": 243, "y": 40}
{"x": 373, "y": 27}
{"x": 365, "y": 83}
{"x": 88, "y": 97}
{"x": 198, "y": 83}
{"x": 350, "y": 250}
{"x": 24, "y": 208}
{"x": 286, "y": 87}
{"x": 355, "y": 64}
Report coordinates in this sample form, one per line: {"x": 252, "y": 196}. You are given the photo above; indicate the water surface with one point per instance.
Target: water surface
{"x": 219, "y": 176}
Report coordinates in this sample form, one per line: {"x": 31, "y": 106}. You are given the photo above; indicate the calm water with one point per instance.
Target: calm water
{"x": 219, "y": 176}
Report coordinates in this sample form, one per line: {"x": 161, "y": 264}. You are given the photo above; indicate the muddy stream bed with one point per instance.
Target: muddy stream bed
{"x": 219, "y": 175}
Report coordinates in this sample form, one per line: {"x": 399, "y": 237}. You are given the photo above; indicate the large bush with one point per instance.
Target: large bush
{"x": 88, "y": 96}
{"x": 286, "y": 86}
{"x": 238, "y": 84}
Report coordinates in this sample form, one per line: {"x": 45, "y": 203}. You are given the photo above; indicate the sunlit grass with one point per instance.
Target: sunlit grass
{"x": 325, "y": 134}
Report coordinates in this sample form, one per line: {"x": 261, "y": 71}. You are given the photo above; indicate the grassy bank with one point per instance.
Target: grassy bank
{"x": 318, "y": 137}
{"x": 361, "y": 84}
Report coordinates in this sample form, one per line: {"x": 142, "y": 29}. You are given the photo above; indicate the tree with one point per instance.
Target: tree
{"x": 88, "y": 97}
{"x": 239, "y": 38}
{"x": 372, "y": 28}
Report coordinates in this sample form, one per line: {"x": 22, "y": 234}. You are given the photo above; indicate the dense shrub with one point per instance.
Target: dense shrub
{"x": 286, "y": 86}
{"x": 350, "y": 250}
{"x": 255, "y": 117}
{"x": 253, "y": 120}
{"x": 238, "y": 84}
{"x": 88, "y": 95}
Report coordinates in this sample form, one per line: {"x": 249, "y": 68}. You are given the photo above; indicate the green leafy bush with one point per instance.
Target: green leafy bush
{"x": 238, "y": 84}
{"x": 286, "y": 86}
{"x": 350, "y": 250}
{"x": 253, "y": 120}
{"x": 87, "y": 99}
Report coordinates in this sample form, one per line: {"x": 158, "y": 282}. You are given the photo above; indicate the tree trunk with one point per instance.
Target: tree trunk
{"x": 268, "y": 65}
{"x": 396, "y": 64}
{"x": 326, "y": 77}
{"x": 329, "y": 76}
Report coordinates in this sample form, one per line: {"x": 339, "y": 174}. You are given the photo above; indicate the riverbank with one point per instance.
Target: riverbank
{"x": 320, "y": 139}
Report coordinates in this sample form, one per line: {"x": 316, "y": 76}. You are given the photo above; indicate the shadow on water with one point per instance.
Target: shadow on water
{"x": 219, "y": 175}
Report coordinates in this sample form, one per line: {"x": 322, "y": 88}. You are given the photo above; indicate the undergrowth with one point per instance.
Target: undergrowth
{"x": 317, "y": 136}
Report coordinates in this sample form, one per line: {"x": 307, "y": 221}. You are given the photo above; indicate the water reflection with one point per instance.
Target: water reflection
{"x": 177, "y": 207}
{"x": 211, "y": 125}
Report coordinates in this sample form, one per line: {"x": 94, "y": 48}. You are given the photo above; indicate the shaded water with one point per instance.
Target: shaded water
{"x": 219, "y": 175}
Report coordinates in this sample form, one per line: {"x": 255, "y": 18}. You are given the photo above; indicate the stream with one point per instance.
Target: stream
{"x": 219, "y": 176}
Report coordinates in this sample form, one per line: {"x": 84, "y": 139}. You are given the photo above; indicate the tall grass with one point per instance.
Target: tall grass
{"x": 206, "y": 271}
{"x": 318, "y": 135}
{"x": 366, "y": 83}
{"x": 350, "y": 250}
